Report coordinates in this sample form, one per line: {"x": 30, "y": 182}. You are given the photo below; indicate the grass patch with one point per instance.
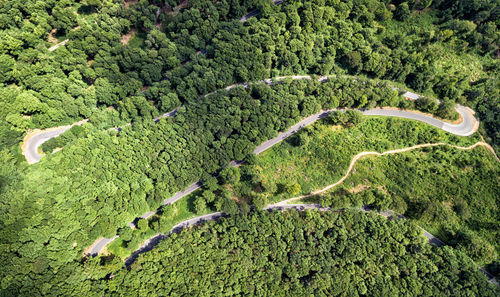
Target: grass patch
{"x": 137, "y": 41}
{"x": 454, "y": 194}
{"x": 319, "y": 155}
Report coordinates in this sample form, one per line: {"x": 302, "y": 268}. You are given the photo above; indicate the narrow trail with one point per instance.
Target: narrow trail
{"x": 490, "y": 148}
{"x": 99, "y": 244}
{"x": 54, "y": 47}
{"x": 367, "y": 153}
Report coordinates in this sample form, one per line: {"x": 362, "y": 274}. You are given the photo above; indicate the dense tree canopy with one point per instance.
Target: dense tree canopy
{"x": 301, "y": 254}
{"x": 123, "y": 63}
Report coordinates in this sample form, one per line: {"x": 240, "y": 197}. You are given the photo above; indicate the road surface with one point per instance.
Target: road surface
{"x": 99, "y": 245}
{"x": 255, "y": 12}
{"x": 34, "y": 140}
{"x": 467, "y": 127}
{"x": 155, "y": 240}
{"x": 465, "y": 113}
{"x": 168, "y": 114}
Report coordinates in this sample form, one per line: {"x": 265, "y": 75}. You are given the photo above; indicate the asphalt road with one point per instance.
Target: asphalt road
{"x": 168, "y": 114}
{"x": 155, "y": 240}
{"x": 54, "y": 47}
{"x": 100, "y": 244}
{"x": 465, "y": 128}
{"x": 35, "y": 141}
{"x": 256, "y": 12}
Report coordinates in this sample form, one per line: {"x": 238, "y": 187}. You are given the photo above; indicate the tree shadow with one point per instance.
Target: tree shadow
{"x": 86, "y": 9}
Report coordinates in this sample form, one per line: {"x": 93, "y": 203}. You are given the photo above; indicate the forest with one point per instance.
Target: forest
{"x": 314, "y": 158}
{"x": 118, "y": 62}
{"x": 301, "y": 254}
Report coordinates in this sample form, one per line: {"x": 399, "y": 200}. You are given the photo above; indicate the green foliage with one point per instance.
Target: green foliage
{"x": 402, "y": 12}
{"x": 142, "y": 225}
{"x": 301, "y": 254}
{"x": 346, "y": 118}
{"x": 62, "y": 140}
{"x": 102, "y": 179}
{"x": 427, "y": 104}
{"x": 200, "y": 205}
{"x": 293, "y": 189}
{"x": 328, "y": 153}
{"x": 451, "y": 193}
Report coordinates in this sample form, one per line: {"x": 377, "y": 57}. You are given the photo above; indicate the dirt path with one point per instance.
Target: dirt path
{"x": 53, "y": 48}
{"x": 126, "y": 38}
{"x": 363, "y": 154}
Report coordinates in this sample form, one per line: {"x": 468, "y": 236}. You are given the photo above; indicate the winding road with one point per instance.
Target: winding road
{"x": 466, "y": 127}
{"x": 286, "y": 204}
{"x": 99, "y": 244}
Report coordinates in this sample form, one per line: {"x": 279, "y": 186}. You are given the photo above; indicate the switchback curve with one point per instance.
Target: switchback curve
{"x": 466, "y": 127}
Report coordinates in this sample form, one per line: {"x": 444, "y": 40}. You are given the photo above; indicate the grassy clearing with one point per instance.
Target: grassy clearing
{"x": 320, "y": 155}
{"x": 137, "y": 40}
{"x": 454, "y": 194}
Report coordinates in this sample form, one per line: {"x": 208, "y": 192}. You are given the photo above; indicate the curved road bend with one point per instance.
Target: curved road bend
{"x": 33, "y": 156}
{"x": 465, "y": 128}
{"x": 34, "y": 142}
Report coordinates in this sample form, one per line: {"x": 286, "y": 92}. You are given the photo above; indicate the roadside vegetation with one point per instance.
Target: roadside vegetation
{"x": 301, "y": 254}
{"x": 52, "y": 211}
{"x": 315, "y": 157}
{"x": 320, "y": 154}
{"x": 453, "y": 194}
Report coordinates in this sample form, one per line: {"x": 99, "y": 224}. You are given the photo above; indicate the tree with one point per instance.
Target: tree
{"x": 260, "y": 201}
{"x": 143, "y": 224}
{"x": 125, "y": 233}
{"x": 427, "y": 104}
{"x": 94, "y": 3}
{"x": 6, "y": 66}
{"x": 402, "y": 12}
{"x": 230, "y": 175}
{"x": 446, "y": 109}
{"x": 209, "y": 196}
{"x": 105, "y": 91}
{"x": 293, "y": 189}
{"x": 200, "y": 205}
{"x": 354, "y": 117}
{"x": 229, "y": 206}
{"x": 354, "y": 62}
